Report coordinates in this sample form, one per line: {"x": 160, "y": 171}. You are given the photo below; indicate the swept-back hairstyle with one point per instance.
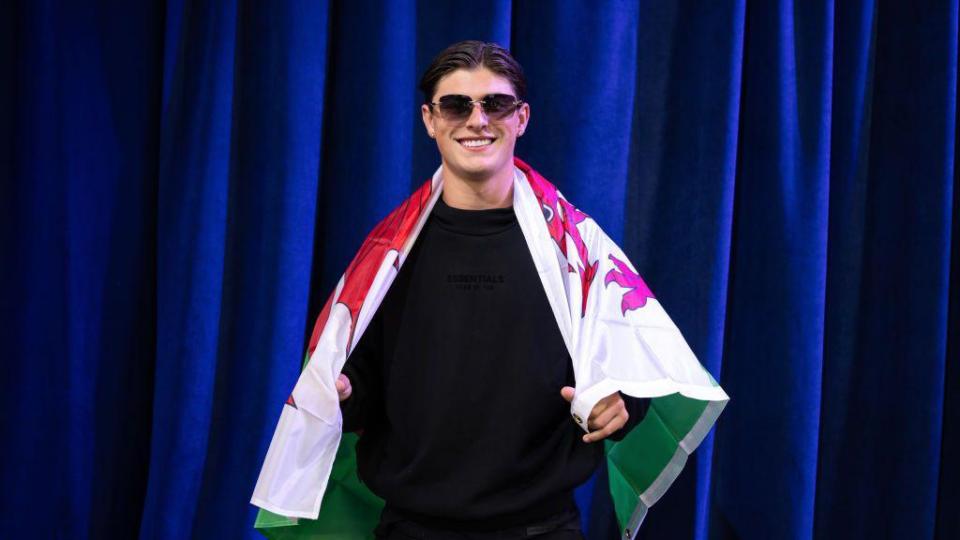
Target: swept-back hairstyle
{"x": 473, "y": 54}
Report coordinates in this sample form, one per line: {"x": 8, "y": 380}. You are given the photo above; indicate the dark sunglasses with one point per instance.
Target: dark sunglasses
{"x": 456, "y": 107}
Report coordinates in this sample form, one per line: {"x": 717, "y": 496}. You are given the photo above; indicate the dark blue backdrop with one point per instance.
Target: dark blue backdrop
{"x": 183, "y": 182}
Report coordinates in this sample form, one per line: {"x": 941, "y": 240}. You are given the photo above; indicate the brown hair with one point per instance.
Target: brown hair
{"x": 473, "y": 54}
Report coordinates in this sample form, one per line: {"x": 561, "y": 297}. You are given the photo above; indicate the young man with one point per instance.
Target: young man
{"x": 462, "y": 329}
{"x": 462, "y": 381}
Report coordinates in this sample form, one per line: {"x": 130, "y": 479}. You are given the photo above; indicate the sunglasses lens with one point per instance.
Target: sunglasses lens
{"x": 499, "y": 105}
{"x": 455, "y": 107}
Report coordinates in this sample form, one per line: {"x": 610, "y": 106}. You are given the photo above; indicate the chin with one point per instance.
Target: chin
{"x": 480, "y": 169}
{"x": 478, "y": 173}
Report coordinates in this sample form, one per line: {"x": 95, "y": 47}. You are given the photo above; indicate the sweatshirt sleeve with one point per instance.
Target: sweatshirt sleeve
{"x": 364, "y": 369}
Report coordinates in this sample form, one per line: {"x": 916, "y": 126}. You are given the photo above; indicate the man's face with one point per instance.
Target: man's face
{"x": 479, "y": 146}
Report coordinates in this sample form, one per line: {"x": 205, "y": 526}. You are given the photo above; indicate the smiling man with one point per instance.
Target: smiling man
{"x": 475, "y": 114}
{"x": 471, "y": 345}
{"x": 457, "y": 382}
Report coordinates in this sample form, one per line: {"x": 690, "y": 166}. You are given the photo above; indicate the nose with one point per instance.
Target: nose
{"x": 478, "y": 119}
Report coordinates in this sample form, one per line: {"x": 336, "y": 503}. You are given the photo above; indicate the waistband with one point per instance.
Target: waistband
{"x": 553, "y": 514}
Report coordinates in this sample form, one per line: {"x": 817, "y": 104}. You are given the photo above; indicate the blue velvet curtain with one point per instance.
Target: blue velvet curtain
{"x": 183, "y": 182}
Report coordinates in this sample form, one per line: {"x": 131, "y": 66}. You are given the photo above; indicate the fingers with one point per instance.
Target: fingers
{"x": 344, "y": 389}
{"x": 607, "y": 416}
{"x": 602, "y": 406}
{"x": 598, "y": 421}
{"x": 618, "y": 421}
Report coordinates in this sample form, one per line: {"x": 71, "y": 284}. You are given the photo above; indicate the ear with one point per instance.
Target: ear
{"x": 427, "y": 120}
{"x": 523, "y": 116}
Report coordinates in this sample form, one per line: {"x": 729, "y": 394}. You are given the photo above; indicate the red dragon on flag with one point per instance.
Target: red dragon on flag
{"x": 389, "y": 234}
{"x": 562, "y": 220}
{"x": 636, "y": 296}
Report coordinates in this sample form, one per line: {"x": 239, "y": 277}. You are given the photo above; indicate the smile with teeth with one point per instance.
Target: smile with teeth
{"x": 475, "y": 143}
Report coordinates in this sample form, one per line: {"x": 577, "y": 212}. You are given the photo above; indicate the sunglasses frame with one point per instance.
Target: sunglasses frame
{"x": 465, "y": 113}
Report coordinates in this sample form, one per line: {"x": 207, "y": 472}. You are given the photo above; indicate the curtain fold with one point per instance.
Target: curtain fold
{"x": 885, "y": 376}
{"x": 77, "y": 266}
{"x": 778, "y": 271}
{"x": 194, "y": 179}
{"x": 680, "y": 203}
{"x": 271, "y": 207}
{"x": 182, "y": 183}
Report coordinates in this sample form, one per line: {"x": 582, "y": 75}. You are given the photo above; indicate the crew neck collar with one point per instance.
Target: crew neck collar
{"x": 473, "y": 222}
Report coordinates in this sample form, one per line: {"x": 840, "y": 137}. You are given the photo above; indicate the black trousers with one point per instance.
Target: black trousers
{"x": 565, "y": 526}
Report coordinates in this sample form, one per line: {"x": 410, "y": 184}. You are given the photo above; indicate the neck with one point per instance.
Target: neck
{"x": 478, "y": 194}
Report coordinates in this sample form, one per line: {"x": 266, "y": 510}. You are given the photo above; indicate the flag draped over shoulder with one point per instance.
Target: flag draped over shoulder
{"x": 619, "y": 339}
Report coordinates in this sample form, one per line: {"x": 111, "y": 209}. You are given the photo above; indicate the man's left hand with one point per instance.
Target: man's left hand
{"x": 607, "y": 416}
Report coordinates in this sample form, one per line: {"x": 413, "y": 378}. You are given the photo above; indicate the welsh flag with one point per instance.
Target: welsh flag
{"x": 619, "y": 339}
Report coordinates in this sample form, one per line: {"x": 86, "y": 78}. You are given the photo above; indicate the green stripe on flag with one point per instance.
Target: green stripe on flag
{"x": 638, "y": 460}
{"x": 679, "y": 413}
{"x": 624, "y": 497}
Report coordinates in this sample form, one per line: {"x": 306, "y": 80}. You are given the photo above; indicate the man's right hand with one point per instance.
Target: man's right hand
{"x": 343, "y": 387}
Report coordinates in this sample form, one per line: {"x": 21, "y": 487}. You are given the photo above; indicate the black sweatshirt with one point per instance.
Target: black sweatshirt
{"x": 456, "y": 383}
